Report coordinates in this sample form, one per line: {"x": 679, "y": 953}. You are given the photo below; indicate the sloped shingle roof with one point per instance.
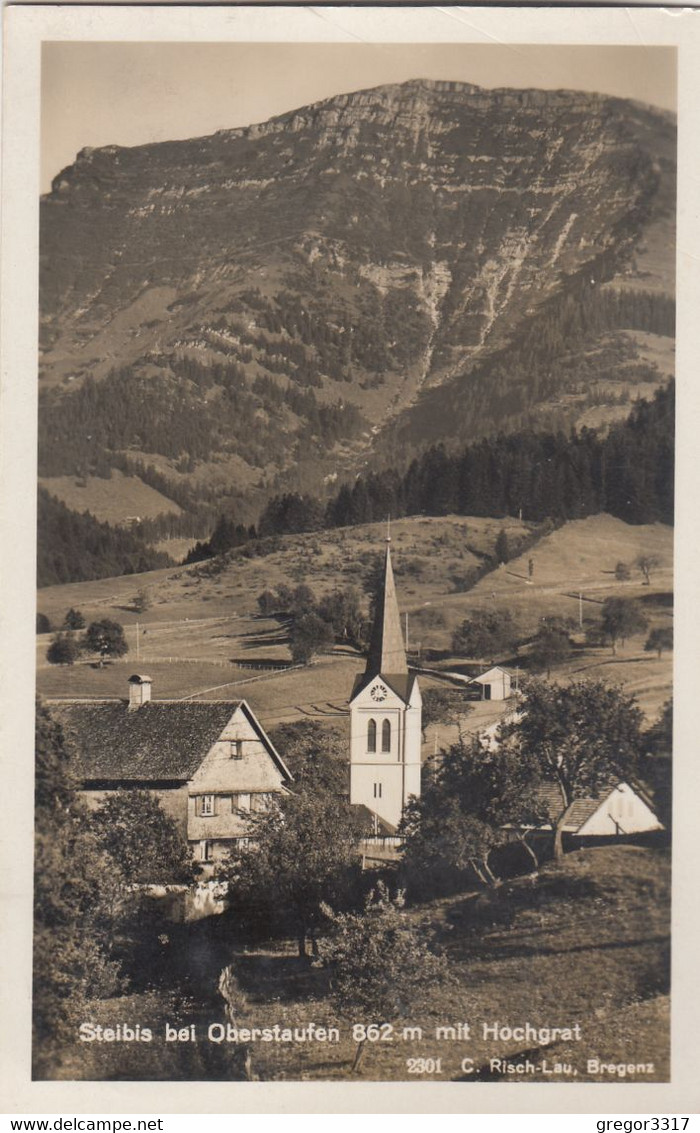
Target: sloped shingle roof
{"x": 490, "y": 675}
{"x": 160, "y": 740}
{"x": 549, "y": 795}
{"x": 581, "y": 810}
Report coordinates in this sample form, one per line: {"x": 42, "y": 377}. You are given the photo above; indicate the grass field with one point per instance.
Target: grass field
{"x": 112, "y": 501}
{"x": 211, "y": 629}
{"x": 426, "y": 552}
{"x": 585, "y": 943}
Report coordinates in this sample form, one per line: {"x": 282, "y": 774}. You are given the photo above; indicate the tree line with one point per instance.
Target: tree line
{"x": 75, "y": 547}
{"x": 627, "y": 472}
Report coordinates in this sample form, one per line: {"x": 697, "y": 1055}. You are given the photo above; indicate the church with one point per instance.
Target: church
{"x": 385, "y": 718}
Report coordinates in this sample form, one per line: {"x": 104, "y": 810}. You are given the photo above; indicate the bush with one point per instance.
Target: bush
{"x": 63, "y": 650}
{"x": 502, "y": 548}
{"x": 551, "y": 647}
{"x": 659, "y": 639}
{"x": 140, "y": 602}
{"x": 622, "y": 618}
{"x": 267, "y": 602}
{"x": 308, "y": 636}
{"x": 380, "y": 962}
{"x": 486, "y": 634}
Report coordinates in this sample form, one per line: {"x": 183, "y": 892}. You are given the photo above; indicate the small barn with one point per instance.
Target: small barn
{"x": 495, "y": 684}
{"x": 618, "y": 812}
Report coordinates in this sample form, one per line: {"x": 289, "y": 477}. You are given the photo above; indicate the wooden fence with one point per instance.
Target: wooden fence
{"x": 256, "y": 666}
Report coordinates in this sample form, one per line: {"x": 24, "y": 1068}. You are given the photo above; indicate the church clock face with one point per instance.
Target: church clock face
{"x": 378, "y": 693}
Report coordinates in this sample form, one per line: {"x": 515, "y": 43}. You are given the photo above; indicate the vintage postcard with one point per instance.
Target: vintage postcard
{"x": 340, "y": 361}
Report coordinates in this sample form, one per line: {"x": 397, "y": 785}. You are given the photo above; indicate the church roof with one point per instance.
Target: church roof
{"x": 490, "y": 675}
{"x": 386, "y": 649}
{"x": 400, "y": 683}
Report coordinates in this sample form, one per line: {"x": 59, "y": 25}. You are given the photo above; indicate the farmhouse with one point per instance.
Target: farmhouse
{"x": 385, "y": 718}
{"x": 210, "y": 763}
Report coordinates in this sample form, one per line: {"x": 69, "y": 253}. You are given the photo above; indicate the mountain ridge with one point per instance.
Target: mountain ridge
{"x": 294, "y": 290}
{"x": 510, "y": 96}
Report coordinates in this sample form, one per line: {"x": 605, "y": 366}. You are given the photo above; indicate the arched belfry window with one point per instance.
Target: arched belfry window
{"x": 372, "y": 736}
{"x": 386, "y": 736}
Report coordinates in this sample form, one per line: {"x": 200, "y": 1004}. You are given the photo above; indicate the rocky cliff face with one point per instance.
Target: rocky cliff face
{"x": 368, "y": 252}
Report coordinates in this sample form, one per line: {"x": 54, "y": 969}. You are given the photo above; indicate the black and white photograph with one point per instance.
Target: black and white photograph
{"x": 355, "y": 459}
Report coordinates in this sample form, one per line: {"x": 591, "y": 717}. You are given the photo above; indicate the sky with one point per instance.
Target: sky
{"x": 108, "y": 93}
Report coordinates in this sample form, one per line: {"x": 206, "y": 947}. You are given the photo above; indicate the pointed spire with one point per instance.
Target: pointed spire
{"x": 386, "y": 650}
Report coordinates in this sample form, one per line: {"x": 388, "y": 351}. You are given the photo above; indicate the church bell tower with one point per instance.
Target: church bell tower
{"x": 385, "y": 717}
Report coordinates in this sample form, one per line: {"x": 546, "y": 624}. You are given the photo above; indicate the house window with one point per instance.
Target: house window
{"x": 372, "y": 736}
{"x": 236, "y": 749}
{"x": 386, "y": 736}
{"x": 244, "y": 802}
{"x": 206, "y": 806}
{"x": 205, "y": 851}
{"x": 377, "y": 790}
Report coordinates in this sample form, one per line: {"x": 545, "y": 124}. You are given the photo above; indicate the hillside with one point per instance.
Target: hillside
{"x": 204, "y": 634}
{"x": 121, "y": 500}
{"x": 587, "y": 943}
{"x": 282, "y": 303}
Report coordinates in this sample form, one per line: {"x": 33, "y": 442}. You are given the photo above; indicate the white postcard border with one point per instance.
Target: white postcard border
{"x": 26, "y": 26}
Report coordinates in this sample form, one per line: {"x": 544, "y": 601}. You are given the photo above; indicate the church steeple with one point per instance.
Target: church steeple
{"x": 386, "y": 649}
{"x": 385, "y": 718}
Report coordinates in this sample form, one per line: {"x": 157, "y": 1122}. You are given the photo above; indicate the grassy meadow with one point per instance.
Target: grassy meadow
{"x": 202, "y": 633}
{"x": 111, "y": 501}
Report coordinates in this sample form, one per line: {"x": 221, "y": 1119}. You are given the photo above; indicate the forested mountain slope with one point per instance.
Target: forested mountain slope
{"x": 350, "y": 282}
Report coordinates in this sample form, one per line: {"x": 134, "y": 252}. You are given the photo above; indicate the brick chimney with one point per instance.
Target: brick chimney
{"x": 139, "y": 690}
